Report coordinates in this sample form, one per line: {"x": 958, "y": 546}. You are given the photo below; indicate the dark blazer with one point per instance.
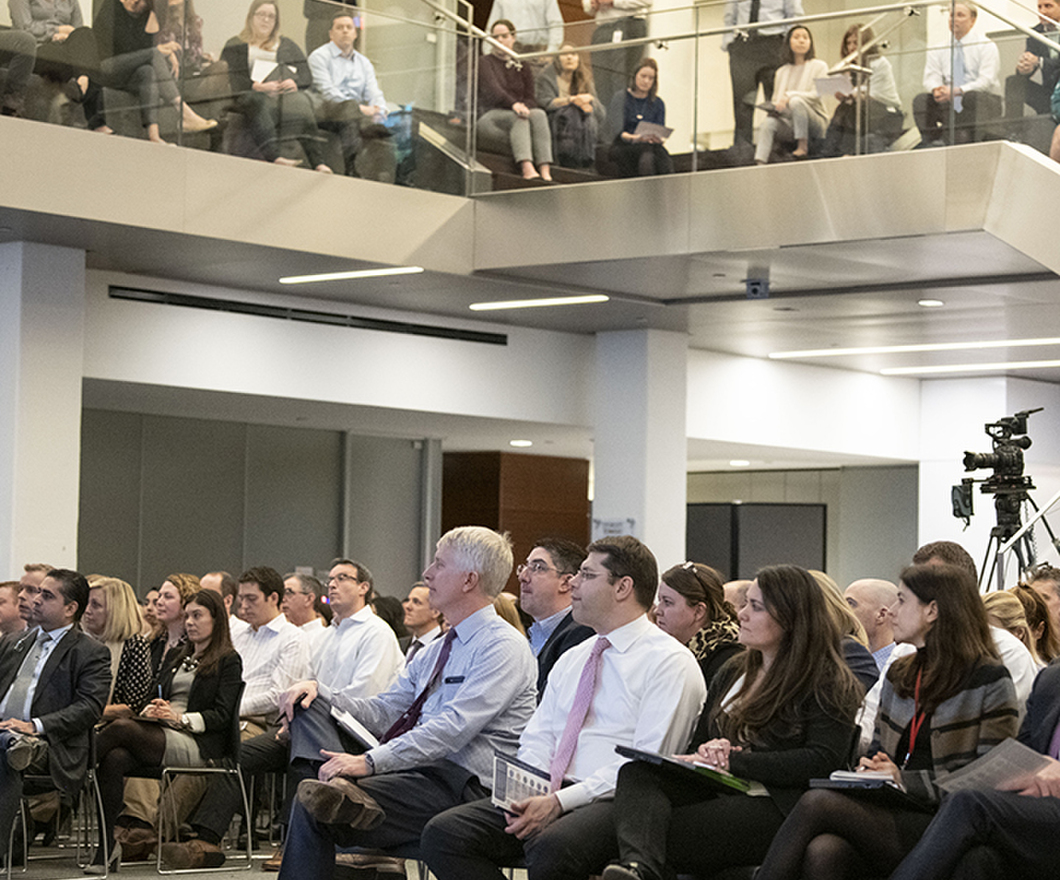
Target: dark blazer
{"x": 1043, "y": 710}
{"x": 566, "y": 635}
{"x": 1050, "y": 60}
{"x": 861, "y": 662}
{"x": 236, "y": 54}
{"x": 215, "y": 696}
{"x": 68, "y": 699}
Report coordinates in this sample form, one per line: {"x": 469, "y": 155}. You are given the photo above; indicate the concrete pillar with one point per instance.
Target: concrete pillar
{"x": 42, "y": 302}
{"x": 639, "y": 445}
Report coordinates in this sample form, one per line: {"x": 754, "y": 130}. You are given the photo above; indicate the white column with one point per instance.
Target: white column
{"x": 42, "y": 295}
{"x": 639, "y": 444}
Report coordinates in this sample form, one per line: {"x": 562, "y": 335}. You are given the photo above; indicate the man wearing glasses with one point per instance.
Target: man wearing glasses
{"x": 544, "y": 594}
{"x": 299, "y": 603}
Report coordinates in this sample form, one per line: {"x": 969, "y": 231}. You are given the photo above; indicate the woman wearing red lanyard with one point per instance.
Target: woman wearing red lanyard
{"x": 940, "y": 708}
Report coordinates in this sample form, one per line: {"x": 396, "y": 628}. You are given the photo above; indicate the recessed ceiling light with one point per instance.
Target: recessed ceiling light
{"x": 739, "y": 462}
{"x": 930, "y": 303}
{"x": 968, "y": 368}
{"x": 538, "y": 303}
{"x": 521, "y": 443}
{"x": 907, "y": 349}
{"x": 344, "y": 276}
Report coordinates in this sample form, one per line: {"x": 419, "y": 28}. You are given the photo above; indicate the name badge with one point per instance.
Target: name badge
{"x": 454, "y": 679}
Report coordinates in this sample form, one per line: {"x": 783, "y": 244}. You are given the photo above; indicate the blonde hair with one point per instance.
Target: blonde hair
{"x": 507, "y": 611}
{"x": 187, "y": 585}
{"x": 1006, "y": 611}
{"x": 838, "y": 609}
{"x": 123, "y": 611}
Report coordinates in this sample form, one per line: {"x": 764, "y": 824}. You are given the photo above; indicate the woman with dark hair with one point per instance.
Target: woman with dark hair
{"x": 940, "y": 708}
{"x": 565, "y": 89}
{"x": 780, "y": 713}
{"x": 640, "y": 155}
{"x": 797, "y": 112}
{"x": 879, "y": 103}
{"x": 270, "y": 77}
{"x": 190, "y": 722}
{"x": 692, "y": 608}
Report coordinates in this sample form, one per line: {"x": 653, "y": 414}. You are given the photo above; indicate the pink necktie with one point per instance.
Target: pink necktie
{"x": 583, "y": 699}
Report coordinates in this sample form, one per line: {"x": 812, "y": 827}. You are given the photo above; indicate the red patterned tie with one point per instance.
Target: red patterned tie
{"x": 411, "y": 715}
{"x": 583, "y": 699}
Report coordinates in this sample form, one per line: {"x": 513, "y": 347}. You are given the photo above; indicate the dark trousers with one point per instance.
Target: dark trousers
{"x": 276, "y": 118}
{"x": 410, "y": 799}
{"x": 1020, "y": 90}
{"x": 613, "y": 68}
{"x": 357, "y": 133}
{"x": 145, "y": 73}
{"x": 17, "y": 51}
{"x": 470, "y": 843}
{"x": 660, "y": 820}
{"x": 978, "y": 835}
{"x": 752, "y": 62}
{"x": 933, "y": 117}
{"x": 641, "y": 160}
{"x": 11, "y": 787}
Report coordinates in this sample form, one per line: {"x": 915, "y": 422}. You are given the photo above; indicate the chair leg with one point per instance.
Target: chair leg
{"x": 246, "y": 812}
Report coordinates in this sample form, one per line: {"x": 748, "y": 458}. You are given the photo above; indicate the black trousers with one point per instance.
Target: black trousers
{"x": 752, "y": 62}
{"x": 933, "y": 117}
{"x": 613, "y": 68}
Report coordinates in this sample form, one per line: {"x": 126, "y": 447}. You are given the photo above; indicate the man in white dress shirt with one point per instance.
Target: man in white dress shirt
{"x": 538, "y": 23}
{"x": 225, "y": 584}
{"x": 299, "y": 605}
{"x": 422, "y": 620}
{"x": 647, "y": 693}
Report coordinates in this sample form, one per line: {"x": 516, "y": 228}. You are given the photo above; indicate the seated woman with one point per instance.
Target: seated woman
{"x": 639, "y": 155}
{"x": 129, "y": 60}
{"x": 940, "y": 708}
{"x": 879, "y": 103}
{"x": 189, "y": 725}
{"x": 508, "y": 111}
{"x": 1046, "y": 639}
{"x": 853, "y": 639}
{"x": 692, "y": 608}
{"x": 113, "y": 616}
{"x": 780, "y": 713}
{"x": 565, "y": 89}
{"x": 1003, "y": 609}
{"x": 173, "y": 595}
{"x": 269, "y": 75}
{"x": 179, "y": 38}
{"x": 797, "y": 111}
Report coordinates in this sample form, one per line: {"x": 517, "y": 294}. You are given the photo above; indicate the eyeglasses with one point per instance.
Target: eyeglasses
{"x": 262, "y": 13}
{"x": 537, "y": 566}
{"x": 342, "y": 578}
{"x": 287, "y": 593}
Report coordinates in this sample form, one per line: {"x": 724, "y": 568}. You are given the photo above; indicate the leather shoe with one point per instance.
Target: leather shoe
{"x": 137, "y": 843}
{"x": 625, "y": 871}
{"x": 24, "y": 751}
{"x": 273, "y": 862}
{"x": 381, "y": 866}
{"x": 193, "y": 854}
{"x": 340, "y": 802}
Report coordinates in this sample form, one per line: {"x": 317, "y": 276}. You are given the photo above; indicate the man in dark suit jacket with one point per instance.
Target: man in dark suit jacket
{"x": 54, "y": 683}
{"x": 544, "y": 594}
{"x": 1020, "y": 88}
{"x": 1001, "y": 834}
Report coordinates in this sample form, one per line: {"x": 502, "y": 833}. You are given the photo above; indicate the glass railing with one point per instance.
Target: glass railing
{"x": 434, "y": 73}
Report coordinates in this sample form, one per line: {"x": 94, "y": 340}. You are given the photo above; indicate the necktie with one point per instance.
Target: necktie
{"x": 756, "y": 9}
{"x": 414, "y": 649}
{"x": 16, "y": 696}
{"x": 583, "y": 698}
{"x": 411, "y": 715}
{"x": 959, "y": 75}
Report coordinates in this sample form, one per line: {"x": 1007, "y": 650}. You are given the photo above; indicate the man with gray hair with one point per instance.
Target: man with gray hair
{"x": 871, "y": 599}
{"x": 300, "y": 592}
{"x": 462, "y": 698}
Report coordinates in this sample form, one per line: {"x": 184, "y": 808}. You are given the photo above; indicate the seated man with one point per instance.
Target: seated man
{"x": 423, "y": 622}
{"x": 1022, "y": 87}
{"x": 348, "y": 100}
{"x": 632, "y": 684}
{"x": 971, "y": 89}
{"x": 461, "y": 699}
{"x": 18, "y": 50}
{"x": 54, "y": 681}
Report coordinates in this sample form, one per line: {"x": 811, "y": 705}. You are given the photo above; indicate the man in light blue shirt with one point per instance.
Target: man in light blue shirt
{"x": 348, "y": 100}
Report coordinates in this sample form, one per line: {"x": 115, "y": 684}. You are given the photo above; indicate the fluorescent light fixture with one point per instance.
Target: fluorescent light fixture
{"x": 968, "y": 368}
{"x": 359, "y": 273}
{"x": 521, "y": 443}
{"x": 908, "y": 349}
{"x": 538, "y": 303}
{"x": 930, "y": 303}
{"x": 739, "y": 462}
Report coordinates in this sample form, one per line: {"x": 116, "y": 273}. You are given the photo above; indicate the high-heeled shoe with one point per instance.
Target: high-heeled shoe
{"x": 112, "y": 866}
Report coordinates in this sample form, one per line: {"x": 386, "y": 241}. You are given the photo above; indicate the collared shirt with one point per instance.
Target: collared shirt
{"x": 51, "y": 639}
{"x": 424, "y": 641}
{"x": 275, "y": 657}
{"x": 882, "y": 656}
{"x": 236, "y": 625}
{"x": 358, "y": 656}
{"x": 339, "y": 78}
{"x": 313, "y": 631}
{"x": 537, "y": 22}
{"x": 648, "y": 695}
{"x": 620, "y": 9}
{"x": 541, "y": 630}
{"x": 738, "y": 12}
{"x": 487, "y": 695}
{"x": 981, "y": 66}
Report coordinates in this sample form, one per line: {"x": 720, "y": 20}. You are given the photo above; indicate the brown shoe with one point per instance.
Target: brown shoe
{"x": 340, "y": 802}
{"x": 273, "y": 862}
{"x": 387, "y": 866}
{"x": 137, "y": 844}
{"x": 193, "y": 854}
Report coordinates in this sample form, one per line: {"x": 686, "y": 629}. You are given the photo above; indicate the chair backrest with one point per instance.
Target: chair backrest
{"x": 235, "y": 733}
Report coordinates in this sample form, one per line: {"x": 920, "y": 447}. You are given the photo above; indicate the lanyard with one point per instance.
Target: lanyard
{"x": 918, "y": 719}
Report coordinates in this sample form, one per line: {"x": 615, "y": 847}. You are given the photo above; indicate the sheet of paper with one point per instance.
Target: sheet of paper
{"x": 837, "y": 84}
{"x": 1003, "y": 764}
{"x": 354, "y": 727}
{"x": 261, "y": 70}
{"x": 661, "y": 131}
{"x": 515, "y": 781}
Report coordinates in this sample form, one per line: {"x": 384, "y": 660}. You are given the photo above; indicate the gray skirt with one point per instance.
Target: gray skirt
{"x": 182, "y": 749}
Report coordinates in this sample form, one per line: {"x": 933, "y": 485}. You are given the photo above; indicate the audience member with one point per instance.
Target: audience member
{"x": 227, "y": 587}
{"x": 175, "y": 591}
{"x": 575, "y": 115}
{"x": 18, "y": 51}
{"x": 970, "y": 90}
{"x": 150, "y": 614}
{"x": 950, "y": 702}
{"x": 422, "y": 620}
{"x": 616, "y": 22}
{"x": 1004, "y": 610}
{"x": 347, "y": 99}
{"x": 639, "y": 155}
{"x": 736, "y": 593}
{"x": 268, "y": 75}
{"x": 1045, "y": 581}
{"x": 179, "y": 38}
{"x": 113, "y": 617}
{"x": 545, "y": 594}
{"x": 10, "y": 619}
{"x": 507, "y": 610}
{"x": 692, "y": 608}
{"x": 874, "y": 96}
{"x": 130, "y": 61}
{"x": 644, "y": 690}
{"x": 852, "y": 634}
{"x": 870, "y": 600}
{"x": 462, "y": 699}
{"x": 54, "y": 682}
{"x": 191, "y": 718}
{"x": 1022, "y": 88}
{"x": 796, "y": 112}
{"x": 780, "y": 713}
{"x": 1035, "y": 609}
{"x": 300, "y": 594}
{"x": 754, "y": 56}
{"x": 508, "y": 112}
{"x": 390, "y": 610}
{"x": 318, "y": 14}
{"x": 539, "y": 23}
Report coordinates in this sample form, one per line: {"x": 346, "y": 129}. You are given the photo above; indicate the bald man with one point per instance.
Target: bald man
{"x": 871, "y": 599}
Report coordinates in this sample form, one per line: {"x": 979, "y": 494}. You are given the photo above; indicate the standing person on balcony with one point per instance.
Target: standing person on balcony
{"x": 616, "y": 21}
